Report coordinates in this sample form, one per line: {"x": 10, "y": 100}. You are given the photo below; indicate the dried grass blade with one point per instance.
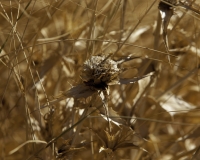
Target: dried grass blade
{"x": 179, "y": 82}
{"x": 133, "y": 80}
{"x": 196, "y": 155}
{"x": 166, "y": 12}
{"x": 27, "y": 142}
{"x": 91, "y": 30}
{"x": 134, "y": 28}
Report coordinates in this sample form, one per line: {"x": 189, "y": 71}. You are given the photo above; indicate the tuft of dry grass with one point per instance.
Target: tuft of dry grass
{"x": 99, "y": 79}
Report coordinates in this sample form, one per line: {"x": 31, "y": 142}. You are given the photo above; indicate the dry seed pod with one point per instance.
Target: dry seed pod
{"x": 99, "y": 72}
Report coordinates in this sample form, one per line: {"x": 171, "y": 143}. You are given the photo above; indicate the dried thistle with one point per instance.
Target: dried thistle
{"x": 99, "y": 72}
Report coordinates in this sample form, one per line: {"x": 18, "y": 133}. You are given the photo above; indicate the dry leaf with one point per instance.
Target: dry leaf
{"x": 176, "y": 105}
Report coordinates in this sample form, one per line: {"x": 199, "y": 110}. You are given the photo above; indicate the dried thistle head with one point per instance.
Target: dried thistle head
{"x": 99, "y": 72}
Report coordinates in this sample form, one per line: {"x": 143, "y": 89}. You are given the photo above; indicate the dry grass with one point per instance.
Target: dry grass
{"x": 99, "y": 79}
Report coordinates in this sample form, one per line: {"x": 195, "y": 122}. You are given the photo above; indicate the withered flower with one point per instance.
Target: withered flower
{"x": 99, "y": 72}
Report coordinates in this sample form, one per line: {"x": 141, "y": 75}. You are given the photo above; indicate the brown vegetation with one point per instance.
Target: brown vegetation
{"x": 99, "y": 79}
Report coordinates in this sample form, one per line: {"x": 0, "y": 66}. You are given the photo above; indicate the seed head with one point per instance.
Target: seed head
{"x": 99, "y": 72}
